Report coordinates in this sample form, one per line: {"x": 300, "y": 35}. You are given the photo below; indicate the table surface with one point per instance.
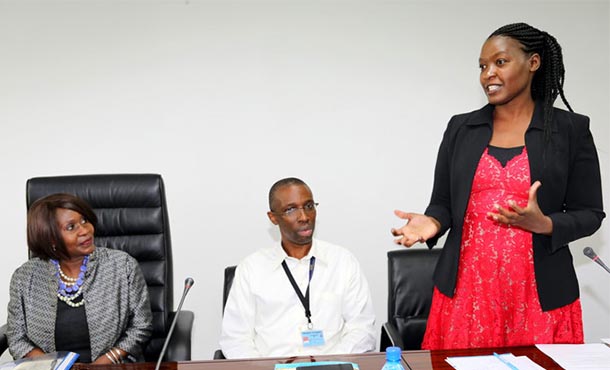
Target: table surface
{"x": 411, "y": 360}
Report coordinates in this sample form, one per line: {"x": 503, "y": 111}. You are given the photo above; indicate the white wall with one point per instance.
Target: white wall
{"x": 224, "y": 97}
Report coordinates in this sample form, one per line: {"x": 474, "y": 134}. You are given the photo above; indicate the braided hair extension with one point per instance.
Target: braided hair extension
{"x": 548, "y": 80}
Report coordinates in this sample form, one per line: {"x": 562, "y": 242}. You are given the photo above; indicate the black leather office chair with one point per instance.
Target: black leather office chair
{"x": 132, "y": 216}
{"x": 410, "y": 290}
{"x": 3, "y": 340}
{"x": 229, "y": 275}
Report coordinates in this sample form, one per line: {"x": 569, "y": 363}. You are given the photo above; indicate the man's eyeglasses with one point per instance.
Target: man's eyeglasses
{"x": 308, "y": 208}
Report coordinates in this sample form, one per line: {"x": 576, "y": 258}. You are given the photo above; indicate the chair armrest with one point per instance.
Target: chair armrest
{"x": 179, "y": 347}
{"x": 218, "y": 355}
{"x": 390, "y": 337}
{"x": 3, "y": 339}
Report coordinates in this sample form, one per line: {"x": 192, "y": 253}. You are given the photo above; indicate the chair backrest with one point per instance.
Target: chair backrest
{"x": 410, "y": 288}
{"x": 228, "y": 282}
{"x": 229, "y": 275}
{"x": 132, "y": 216}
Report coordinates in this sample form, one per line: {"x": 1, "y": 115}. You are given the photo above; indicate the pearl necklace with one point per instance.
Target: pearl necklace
{"x": 68, "y": 287}
{"x": 68, "y": 300}
{"x": 66, "y": 278}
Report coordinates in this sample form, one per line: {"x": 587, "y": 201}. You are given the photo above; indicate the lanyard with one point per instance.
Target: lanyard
{"x": 304, "y": 299}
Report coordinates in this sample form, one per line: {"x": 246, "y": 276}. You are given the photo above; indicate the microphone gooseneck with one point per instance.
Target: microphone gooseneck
{"x": 589, "y": 252}
{"x": 188, "y": 283}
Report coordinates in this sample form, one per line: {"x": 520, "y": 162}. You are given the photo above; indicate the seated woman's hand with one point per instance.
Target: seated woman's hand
{"x": 113, "y": 356}
{"x": 35, "y": 353}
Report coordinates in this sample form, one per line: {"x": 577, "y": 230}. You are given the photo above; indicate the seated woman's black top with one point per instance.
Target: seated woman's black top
{"x": 72, "y": 331}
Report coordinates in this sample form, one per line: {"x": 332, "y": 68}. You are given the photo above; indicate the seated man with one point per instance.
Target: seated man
{"x": 302, "y": 296}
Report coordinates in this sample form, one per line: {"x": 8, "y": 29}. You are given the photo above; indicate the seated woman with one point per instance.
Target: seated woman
{"x": 72, "y": 295}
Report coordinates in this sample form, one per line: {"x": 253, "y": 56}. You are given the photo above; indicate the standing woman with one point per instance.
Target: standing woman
{"x": 72, "y": 295}
{"x": 515, "y": 182}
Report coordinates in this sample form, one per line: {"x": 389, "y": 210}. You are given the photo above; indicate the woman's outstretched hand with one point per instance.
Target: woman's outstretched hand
{"x": 418, "y": 228}
{"x": 529, "y": 218}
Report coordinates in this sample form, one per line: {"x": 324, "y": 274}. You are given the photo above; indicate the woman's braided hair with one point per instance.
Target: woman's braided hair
{"x": 548, "y": 80}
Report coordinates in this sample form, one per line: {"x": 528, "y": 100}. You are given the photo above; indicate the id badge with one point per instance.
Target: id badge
{"x": 312, "y": 338}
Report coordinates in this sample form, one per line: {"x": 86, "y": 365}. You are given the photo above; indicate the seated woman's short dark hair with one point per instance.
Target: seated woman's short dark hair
{"x": 44, "y": 235}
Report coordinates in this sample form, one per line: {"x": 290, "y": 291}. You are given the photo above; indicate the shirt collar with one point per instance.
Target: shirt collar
{"x": 485, "y": 116}
{"x": 482, "y": 116}
{"x": 279, "y": 255}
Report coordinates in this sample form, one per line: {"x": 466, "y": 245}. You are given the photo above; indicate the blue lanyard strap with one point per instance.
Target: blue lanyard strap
{"x": 304, "y": 299}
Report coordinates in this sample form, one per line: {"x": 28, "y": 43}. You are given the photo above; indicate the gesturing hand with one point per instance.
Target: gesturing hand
{"x": 419, "y": 228}
{"x": 529, "y": 218}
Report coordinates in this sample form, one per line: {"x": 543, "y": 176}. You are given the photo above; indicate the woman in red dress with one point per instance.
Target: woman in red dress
{"x": 515, "y": 182}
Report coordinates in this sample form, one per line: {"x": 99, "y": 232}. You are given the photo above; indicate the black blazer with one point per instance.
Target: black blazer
{"x": 570, "y": 195}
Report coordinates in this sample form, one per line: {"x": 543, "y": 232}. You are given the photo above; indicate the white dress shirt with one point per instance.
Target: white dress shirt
{"x": 264, "y": 317}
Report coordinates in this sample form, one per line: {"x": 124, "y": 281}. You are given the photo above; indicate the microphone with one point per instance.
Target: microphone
{"x": 589, "y": 252}
{"x": 188, "y": 283}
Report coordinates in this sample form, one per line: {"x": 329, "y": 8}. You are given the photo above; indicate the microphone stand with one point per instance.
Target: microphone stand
{"x": 188, "y": 283}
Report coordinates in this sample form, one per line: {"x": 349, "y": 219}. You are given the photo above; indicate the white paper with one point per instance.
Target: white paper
{"x": 476, "y": 363}
{"x": 493, "y": 363}
{"x": 594, "y": 356}
{"x": 524, "y": 363}
{"x": 50, "y": 361}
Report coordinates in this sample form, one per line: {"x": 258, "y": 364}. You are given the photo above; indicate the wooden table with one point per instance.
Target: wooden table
{"x": 411, "y": 360}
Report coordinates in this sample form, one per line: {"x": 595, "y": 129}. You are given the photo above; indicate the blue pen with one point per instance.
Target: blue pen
{"x": 513, "y": 367}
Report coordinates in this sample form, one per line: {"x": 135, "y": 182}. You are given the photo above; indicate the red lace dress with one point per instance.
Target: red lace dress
{"x": 496, "y": 303}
